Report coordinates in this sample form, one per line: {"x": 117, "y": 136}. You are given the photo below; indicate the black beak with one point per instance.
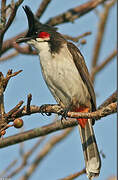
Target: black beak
{"x": 23, "y": 39}
{"x": 33, "y": 23}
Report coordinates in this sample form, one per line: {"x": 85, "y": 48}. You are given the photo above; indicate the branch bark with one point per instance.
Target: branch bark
{"x": 58, "y": 125}
{"x": 74, "y": 13}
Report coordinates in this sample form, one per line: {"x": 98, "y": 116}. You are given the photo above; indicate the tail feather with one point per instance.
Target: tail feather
{"x": 90, "y": 149}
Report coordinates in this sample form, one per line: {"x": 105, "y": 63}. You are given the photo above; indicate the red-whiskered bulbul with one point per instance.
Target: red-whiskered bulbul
{"x": 66, "y": 75}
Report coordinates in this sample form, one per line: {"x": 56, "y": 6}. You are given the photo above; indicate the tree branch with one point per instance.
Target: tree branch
{"x": 74, "y": 13}
{"x": 109, "y": 100}
{"x": 41, "y": 131}
{"x": 75, "y": 175}
{"x": 42, "y": 8}
{"x": 45, "y": 150}
{"x": 9, "y": 56}
{"x": 25, "y": 158}
{"x": 12, "y": 164}
{"x": 60, "y": 19}
{"x": 100, "y": 33}
{"x": 9, "y": 22}
{"x": 98, "y": 68}
{"x": 3, "y": 84}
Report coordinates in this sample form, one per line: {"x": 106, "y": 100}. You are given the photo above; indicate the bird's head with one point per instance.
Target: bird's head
{"x": 39, "y": 33}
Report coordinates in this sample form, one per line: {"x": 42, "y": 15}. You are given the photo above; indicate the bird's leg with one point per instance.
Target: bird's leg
{"x": 65, "y": 111}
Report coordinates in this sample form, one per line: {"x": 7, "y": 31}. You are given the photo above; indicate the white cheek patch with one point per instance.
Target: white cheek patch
{"x": 42, "y": 39}
{"x": 39, "y": 39}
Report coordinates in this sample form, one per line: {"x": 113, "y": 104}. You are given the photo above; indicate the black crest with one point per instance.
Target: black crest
{"x": 34, "y": 25}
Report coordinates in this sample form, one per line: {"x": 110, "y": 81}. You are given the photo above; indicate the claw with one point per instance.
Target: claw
{"x": 48, "y": 114}
{"x": 64, "y": 113}
{"x": 43, "y": 109}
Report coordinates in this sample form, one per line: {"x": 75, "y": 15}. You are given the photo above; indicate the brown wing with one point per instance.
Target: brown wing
{"x": 82, "y": 68}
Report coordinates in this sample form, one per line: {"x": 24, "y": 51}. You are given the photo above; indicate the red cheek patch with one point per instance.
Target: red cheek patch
{"x": 43, "y": 35}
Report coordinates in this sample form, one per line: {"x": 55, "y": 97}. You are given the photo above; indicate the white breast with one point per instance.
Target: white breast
{"x": 62, "y": 76}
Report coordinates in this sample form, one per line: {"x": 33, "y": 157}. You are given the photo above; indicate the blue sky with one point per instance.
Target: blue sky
{"x": 66, "y": 157}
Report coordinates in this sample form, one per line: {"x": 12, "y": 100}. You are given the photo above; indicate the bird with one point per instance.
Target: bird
{"x": 67, "y": 77}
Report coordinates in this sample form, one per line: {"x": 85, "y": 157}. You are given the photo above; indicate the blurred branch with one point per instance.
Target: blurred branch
{"x": 60, "y": 19}
{"x": 98, "y": 68}
{"x": 109, "y": 100}
{"x": 10, "y": 20}
{"x": 11, "y": 165}
{"x": 7, "y": 57}
{"x": 101, "y": 29}
{"x": 42, "y": 8}
{"x": 112, "y": 178}
{"x": 13, "y": 14}
{"x": 45, "y": 150}
{"x": 75, "y": 175}
{"x": 28, "y": 50}
{"x": 25, "y": 158}
{"x": 76, "y": 39}
{"x": 74, "y": 13}
{"x": 25, "y": 49}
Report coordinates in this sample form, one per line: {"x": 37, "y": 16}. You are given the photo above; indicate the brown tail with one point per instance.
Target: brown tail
{"x": 90, "y": 149}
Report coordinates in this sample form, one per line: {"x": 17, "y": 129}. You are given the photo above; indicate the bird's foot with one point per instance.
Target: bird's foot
{"x": 43, "y": 109}
{"x": 64, "y": 113}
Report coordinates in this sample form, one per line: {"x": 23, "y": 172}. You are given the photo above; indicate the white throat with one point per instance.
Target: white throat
{"x": 39, "y": 45}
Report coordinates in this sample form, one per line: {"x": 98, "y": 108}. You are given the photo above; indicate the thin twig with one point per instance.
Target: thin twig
{"x": 44, "y": 4}
{"x": 29, "y": 98}
{"x": 60, "y": 19}
{"x": 25, "y": 158}
{"x": 10, "y": 20}
{"x": 7, "y": 57}
{"x": 45, "y": 150}
{"x": 5, "y": 171}
{"x": 2, "y": 109}
{"x": 75, "y": 175}
{"x": 58, "y": 125}
{"x": 13, "y": 14}
{"x": 8, "y": 77}
{"x": 98, "y": 68}
{"x": 109, "y": 100}
{"x": 24, "y": 49}
{"x": 3, "y": 84}
{"x": 14, "y": 109}
{"x": 74, "y": 13}
{"x": 76, "y": 39}
{"x": 100, "y": 33}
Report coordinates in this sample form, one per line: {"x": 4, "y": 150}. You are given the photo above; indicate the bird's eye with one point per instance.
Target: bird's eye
{"x": 36, "y": 33}
{"x": 43, "y": 35}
